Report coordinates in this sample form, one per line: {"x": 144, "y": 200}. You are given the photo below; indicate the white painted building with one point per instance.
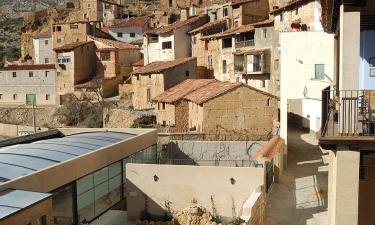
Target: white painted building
{"x": 23, "y": 84}
{"x": 172, "y": 41}
{"x": 129, "y": 30}
{"x": 307, "y": 67}
{"x": 42, "y": 44}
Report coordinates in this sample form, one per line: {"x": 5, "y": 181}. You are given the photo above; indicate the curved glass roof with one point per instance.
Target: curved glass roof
{"x": 23, "y": 159}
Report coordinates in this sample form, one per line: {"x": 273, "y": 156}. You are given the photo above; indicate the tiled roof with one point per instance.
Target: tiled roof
{"x": 217, "y": 88}
{"x": 115, "y": 44}
{"x": 95, "y": 82}
{"x": 71, "y": 46}
{"x": 138, "y": 42}
{"x": 176, "y": 25}
{"x": 264, "y": 22}
{"x": 160, "y": 66}
{"x": 291, "y": 5}
{"x": 208, "y": 26}
{"x": 29, "y": 67}
{"x": 43, "y": 35}
{"x": 181, "y": 90}
{"x": 239, "y": 2}
{"x": 132, "y": 22}
{"x": 210, "y": 91}
{"x": 139, "y": 63}
{"x": 230, "y": 32}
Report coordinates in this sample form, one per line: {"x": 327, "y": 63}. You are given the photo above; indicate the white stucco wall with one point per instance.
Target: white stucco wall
{"x": 126, "y": 33}
{"x": 300, "y": 51}
{"x": 154, "y": 52}
{"x": 43, "y": 50}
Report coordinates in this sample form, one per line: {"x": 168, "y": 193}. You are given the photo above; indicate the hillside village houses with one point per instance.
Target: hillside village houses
{"x": 42, "y": 45}
{"x": 157, "y": 77}
{"x": 218, "y": 109}
{"x": 130, "y": 30}
{"x": 106, "y": 11}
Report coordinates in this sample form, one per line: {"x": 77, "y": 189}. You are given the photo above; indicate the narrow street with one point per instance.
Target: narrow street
{"x": 301, "y": 195}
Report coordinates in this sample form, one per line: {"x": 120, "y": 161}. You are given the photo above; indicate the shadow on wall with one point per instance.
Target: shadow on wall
{"x": 298, "y": 121}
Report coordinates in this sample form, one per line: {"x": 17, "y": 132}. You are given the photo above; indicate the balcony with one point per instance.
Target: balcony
{"x": 347, "y": 116}
{"x": 243, "y": 44}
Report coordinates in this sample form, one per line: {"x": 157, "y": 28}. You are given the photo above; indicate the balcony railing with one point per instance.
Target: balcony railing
{"x": 242, "y": 44}
{"x": 348, "y": 113}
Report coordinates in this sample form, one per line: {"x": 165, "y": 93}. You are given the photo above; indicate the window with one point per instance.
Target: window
{"x": 105, "y": 56}
{"x": 58, "y": 28}
{"x": 227, "y": 43}
{"x": 31, "y": 74}
{"x": 264, "y": 33}
{"x": 46, "y": 42}
{"x": 137, "y": 77}
{"x": 46, "y": 74}
{"x": 58, "y": 40}
{"x": 58, "y": 74}
{"x": 164, "y": 123}
{"x": 281, "y": 17}
{"x": 235, "y": 24}
{"x": 148, "y": 95}
{"x": 85, "y": 16}
{"x": 193, "y": 39}
{"x": 132, "y": 35}
{"x": 73, "y": 26}
{"x": 1, "y": 96}
{"x": 187, "y": 73}
{"x": 46, "y": 60}
{"x": 163, "y": 105}
{"x": 89, "y": 6}
{"x": 42, "y": 220}
{"x": 119, "y": 34}
{"x": 225, "y": 12}
{"x": 14, "y": 96}
{"x": 166, "y": 45}
{"x": 224, "y": 66}
{"x": 319, "y": 72}
{"x": 263, "y": 83}
{"x": 276, "y": 64}
{"x": 209, "y": 61}
{"x": 47, "y": 97}
{"x": 14, "y": 74}
{"x": 296, "y": 11}
{"x": 206, "y": 45}
{"x": 170, "y": 3}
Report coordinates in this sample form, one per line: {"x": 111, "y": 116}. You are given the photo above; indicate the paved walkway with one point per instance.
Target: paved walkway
{"x": 301, "y": 195}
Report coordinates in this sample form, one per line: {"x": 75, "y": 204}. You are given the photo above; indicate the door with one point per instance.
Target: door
{"x": 30, "y": 99}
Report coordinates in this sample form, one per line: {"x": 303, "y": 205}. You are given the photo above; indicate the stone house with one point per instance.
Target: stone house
{"x": 74, "y": 31}
{"x": 42, "y": 45}
{"x": 157, "y": 77}
{"x": 25, "y": 84}
{"x": 168, "y": 104}
{"x": 246, "y": 12}
{"x": 76, "y": 62}
{"x": 129, "y": 30}
{"x": 219, "y": 110}
{"x": 105, "y": 11}
{"x": 298, "y": 15}
{"x": 114, "y": 61}
{"x": 172, "y": 41}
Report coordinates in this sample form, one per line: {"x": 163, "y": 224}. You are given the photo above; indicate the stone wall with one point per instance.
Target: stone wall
{"x": 119, "y": 118}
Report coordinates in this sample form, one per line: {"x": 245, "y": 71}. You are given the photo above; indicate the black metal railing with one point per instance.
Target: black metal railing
{"x": 347, "y": 113}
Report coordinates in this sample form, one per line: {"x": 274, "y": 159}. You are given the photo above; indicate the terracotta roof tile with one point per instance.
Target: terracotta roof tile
{"x": 132, "y": 22}
{"x": 139, "y": 63}
{"x": 115, "y": 44}
{"x": 29, "y": 67}
{"x": 209, "y": 25}
{"x": 71, "y": 46}
{"x": 264, "y": 22}
{"x": 210, "y": 91}
{"x": 230, "y": 32}
{"x": 176, "y": 25}
{"x": 95, "y": 82}
{"x": 239, "y": 2}
{"x": 160, "y": 66}
{"x": 181, "y": 90}
{"x": 43, "y": 35}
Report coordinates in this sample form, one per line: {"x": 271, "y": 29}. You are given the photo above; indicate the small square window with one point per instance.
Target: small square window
{"x": 319, "y": 72}
{"x": 14, "y": 96}
{"x": 14, "y": 74}
{"x": 163, "y": 105}
{"x": 46, "y": 60}
{"x": 31, "y": 74}
{"x": 166, "y": 45}
{"x": 187, "y": 73}
{"x": 296, "y": 11}
{"x": 47, "y": 97}
{"x": 132, "y": 35}
{"x": 1, "y": 96}
{"x": 119, "y": 34}
{"x": 264, "y": 32}
{"x": 46, "y": 42}
{"x": 47, "y": 73}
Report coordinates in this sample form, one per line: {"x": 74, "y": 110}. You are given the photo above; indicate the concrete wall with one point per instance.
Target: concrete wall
{"x": 153, "y": 50}
{"x": 31, "y": 214}
{"x": 167, "y": 114}
{"x": 367, "y": 51}
{"x": 300, "y": 51}
{"x": 180, "y": 185}
{"x": 212, "y": 150}
{"x": 41, "y": 84}
{"x": 43, "y": 51}
{"x": 68, "y": 35}
{"x": 138, "y": 31}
